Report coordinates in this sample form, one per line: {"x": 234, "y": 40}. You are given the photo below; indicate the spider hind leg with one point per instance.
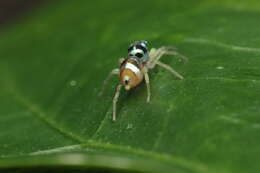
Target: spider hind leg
{"x": 112, "y": 73}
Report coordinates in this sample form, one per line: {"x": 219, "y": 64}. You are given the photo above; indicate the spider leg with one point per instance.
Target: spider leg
{"x": 115, "y": 99}
{"x": 121, "y": 60}
{"x": 169, "y": 52}
{"x": 168, "y": 47}
{"x": 156, "y": 54}
{"x": 113, "y": 72}
{"x": 147, "y": 81}
{"x": 169, "y": 68}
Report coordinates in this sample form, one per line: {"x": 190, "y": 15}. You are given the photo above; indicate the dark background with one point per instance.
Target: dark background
{"x": 11, "y": 10}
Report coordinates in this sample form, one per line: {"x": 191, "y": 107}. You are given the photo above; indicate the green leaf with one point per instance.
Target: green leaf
{"x": 53, "y": 63}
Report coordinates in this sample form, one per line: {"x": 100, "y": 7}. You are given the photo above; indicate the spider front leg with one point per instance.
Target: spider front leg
{"x": 115, "y": 99}
{"x": 146, "y": 78}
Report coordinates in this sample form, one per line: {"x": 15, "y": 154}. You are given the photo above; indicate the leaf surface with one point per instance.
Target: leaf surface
{"x": 53, "y": 63}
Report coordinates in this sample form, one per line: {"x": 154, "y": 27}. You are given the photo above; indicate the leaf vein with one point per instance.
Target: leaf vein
{"x": 223, "y": 45}
{"x": 198, "y": 167}
{"x": 102, "y": 123}
{"x": 42, "y": 116}
{"x": 225, "y": 79}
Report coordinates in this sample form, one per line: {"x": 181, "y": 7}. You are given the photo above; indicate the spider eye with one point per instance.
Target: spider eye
{"x": 139, "y": 55}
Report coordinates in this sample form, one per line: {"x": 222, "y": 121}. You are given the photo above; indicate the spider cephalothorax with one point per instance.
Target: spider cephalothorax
{"x": 139, "y": 50}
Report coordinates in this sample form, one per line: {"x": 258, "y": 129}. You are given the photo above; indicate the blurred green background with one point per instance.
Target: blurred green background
{"x": 55, "y": 56}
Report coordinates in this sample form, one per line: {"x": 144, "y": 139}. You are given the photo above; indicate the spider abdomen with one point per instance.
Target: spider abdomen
{"x": 130, "y": 73}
